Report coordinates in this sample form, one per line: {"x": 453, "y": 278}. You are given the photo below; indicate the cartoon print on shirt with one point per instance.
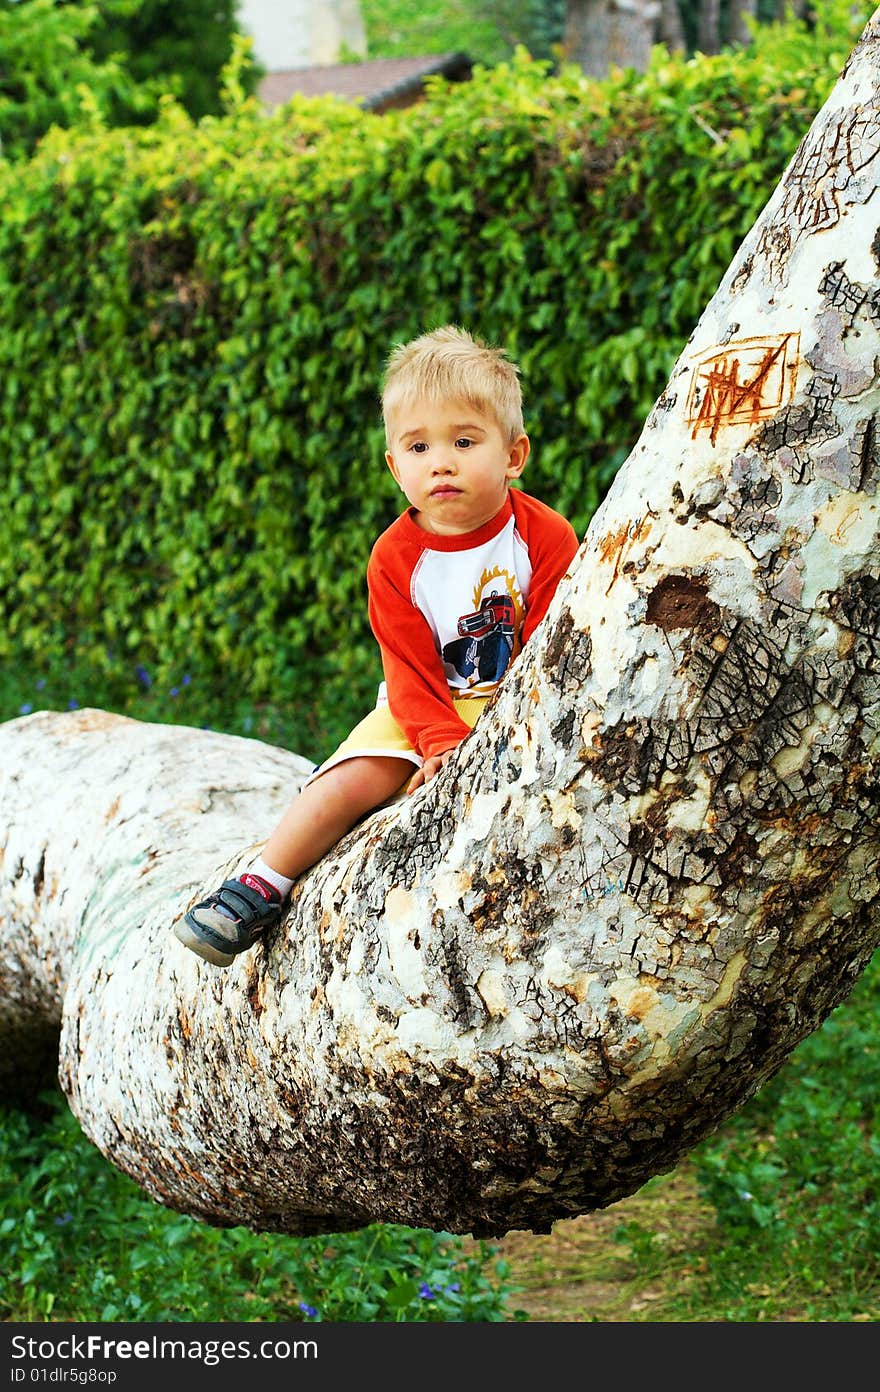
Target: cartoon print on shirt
{"x": 488, "y": 634}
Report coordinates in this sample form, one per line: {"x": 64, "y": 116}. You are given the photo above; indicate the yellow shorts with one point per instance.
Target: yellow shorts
{"x": 378, "y": 735}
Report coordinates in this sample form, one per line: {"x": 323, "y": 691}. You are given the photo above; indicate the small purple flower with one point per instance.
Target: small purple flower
{"x": 61, "y": 1222}
{"x": 143, "y": 675}
{"x": 73, "y": 705}
{"x": 40, "y": 683}
{"x": 426, "y": 1293}
{"x": 308, "y": 1310}
{"x": 174, "y": 691}
{"x": 186, "y": 679}
{"x": 450, "y": 1290}
{"x": 25, "y": 708}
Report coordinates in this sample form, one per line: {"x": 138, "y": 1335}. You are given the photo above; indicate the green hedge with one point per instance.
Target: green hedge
{"x": 194, "y": 319}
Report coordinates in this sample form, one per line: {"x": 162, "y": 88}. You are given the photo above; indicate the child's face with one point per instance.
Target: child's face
{"x": 453, "y": 463}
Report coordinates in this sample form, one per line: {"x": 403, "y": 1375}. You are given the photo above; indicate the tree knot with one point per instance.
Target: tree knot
{"x": 682, "y": 601}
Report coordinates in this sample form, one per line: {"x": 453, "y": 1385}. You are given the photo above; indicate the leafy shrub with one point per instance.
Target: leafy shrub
{"x": 172, "y": 47}
{"x": 67, "y": 64}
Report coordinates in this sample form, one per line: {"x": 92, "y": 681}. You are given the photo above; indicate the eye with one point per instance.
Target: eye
{"x": 463, "y": 442}
{"x": 418, "y": 446}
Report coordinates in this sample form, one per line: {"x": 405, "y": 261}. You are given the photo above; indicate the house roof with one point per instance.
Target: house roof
{"x": 377, "y": 84}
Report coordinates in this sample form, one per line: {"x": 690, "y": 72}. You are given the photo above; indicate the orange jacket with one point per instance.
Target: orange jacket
{"x": 439, "y": 607}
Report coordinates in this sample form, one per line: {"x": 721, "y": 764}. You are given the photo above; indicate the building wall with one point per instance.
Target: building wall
{"x": 300, "y": 33}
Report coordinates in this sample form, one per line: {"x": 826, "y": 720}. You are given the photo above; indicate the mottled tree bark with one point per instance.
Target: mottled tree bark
{"x": 646, "y": 875}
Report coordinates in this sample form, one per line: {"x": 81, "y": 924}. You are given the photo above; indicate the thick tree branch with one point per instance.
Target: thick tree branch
{"x": 649, "y": 872}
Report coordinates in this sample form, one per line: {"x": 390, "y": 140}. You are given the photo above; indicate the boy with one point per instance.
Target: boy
{"x": 455, "y": 587}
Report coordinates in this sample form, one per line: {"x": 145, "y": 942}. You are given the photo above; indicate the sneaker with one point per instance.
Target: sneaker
{"x": 231, "y": 919}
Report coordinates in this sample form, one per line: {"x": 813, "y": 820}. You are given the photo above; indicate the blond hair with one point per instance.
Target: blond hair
{"x": 449, "y": 363}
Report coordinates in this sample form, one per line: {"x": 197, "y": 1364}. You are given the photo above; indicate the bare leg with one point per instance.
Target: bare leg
{"x": 326, "y": 809}
{"x": 231, "y": 919}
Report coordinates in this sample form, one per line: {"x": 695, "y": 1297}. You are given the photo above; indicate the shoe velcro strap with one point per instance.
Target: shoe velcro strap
{"x": 232, "y": 890}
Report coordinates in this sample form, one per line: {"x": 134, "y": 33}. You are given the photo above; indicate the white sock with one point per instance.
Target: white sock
{"x": 281, "y": 882}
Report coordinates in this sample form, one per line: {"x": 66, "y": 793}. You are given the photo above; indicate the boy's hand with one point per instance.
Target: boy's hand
{"x": 430, "y": 768}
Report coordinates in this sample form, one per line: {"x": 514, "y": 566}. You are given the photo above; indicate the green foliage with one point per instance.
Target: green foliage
{"x": 183, "y": 48}
{"x": 400, "y": 28}
{"x": 294, "y": 718}
{"x": 194, "y": 321}
{"x": 82, "y": 1242}
{"x": 80, "y": 64}
{"x": 48, "y": 76}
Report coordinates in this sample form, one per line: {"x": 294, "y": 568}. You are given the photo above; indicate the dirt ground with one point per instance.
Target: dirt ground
{"x": 580, "y": 1272}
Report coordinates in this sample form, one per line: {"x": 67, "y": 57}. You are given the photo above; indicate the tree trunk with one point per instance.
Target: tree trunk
{"x": 601, "y": 34}
{"x": 741, "y": 12}
{"x": 709, "y": 26}
{"x": 670, "y": 29}
{"x": 645, "y": 876}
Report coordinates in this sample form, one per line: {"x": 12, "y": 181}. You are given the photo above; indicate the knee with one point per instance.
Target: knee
{"x": 365, "y": 783}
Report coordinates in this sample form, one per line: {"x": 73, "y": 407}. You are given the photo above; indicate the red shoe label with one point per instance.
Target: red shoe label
{"x": 268, "y": 892}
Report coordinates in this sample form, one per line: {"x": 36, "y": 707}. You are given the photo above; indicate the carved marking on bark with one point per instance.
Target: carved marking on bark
{"x": 747, "y": 381}
{"x": 619, "y": 544}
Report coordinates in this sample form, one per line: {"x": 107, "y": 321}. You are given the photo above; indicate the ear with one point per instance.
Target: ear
{"x": 389, "y": 460}
{"x": 517, "y": 456}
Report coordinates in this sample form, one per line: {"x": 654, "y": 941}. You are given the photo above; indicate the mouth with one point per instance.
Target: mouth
{"x": 445, "y": 490}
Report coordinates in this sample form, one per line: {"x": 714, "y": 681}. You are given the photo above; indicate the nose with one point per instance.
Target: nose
{"x": 443, "y": 462}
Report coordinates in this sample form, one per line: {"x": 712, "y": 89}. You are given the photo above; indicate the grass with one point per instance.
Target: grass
{"x": 793, "y": 1181}
{"x": 82, "y": 1242}
{"x": 774, "y": 1218}
{"x": 292, "y": 720}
